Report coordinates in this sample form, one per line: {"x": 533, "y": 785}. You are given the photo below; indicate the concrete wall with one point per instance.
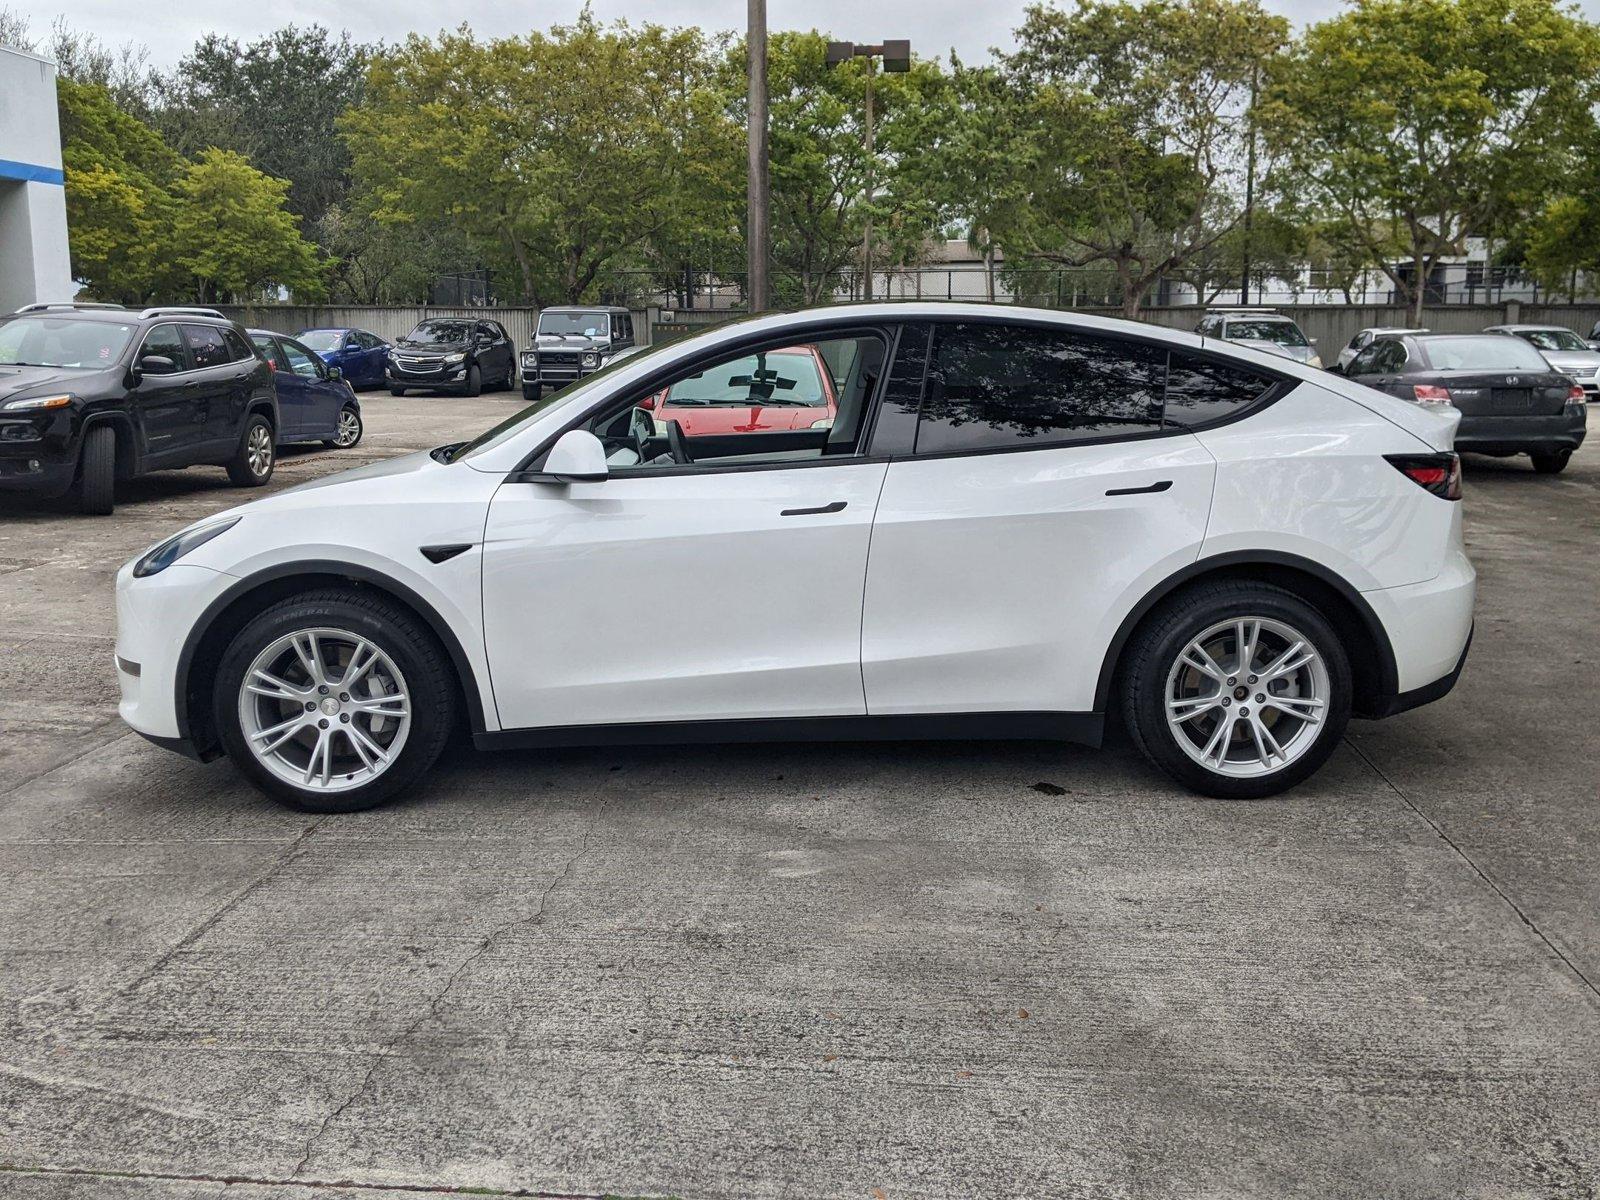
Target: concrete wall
{"x": 34, "y": 263}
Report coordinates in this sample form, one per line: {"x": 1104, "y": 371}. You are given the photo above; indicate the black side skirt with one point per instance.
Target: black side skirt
{"x": 1428, "y": 692}
{"x": 1085, "y": 728}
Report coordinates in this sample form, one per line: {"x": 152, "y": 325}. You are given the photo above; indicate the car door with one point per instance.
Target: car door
{"x": 167, "y": 405}
{"x": 221, "y": 379}
{"x": 372, "y": 352}
{"x": 494, "y": 355}
{"x": 308, "y": 419}
{"x": 721, "y": 589}
{"x": 1037, "y": 489}
{"x": 286, "y": 385}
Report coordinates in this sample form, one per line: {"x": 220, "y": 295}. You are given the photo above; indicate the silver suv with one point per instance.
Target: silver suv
{"x": 572, "y": 342}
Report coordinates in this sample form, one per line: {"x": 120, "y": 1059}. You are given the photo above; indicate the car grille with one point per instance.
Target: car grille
{"x": 559, "y": 358}
{"x": 418, "y": 365}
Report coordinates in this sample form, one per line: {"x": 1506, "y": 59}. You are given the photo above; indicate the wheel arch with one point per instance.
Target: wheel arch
{"x": 1372, "y": 661}
{"x": 127, "y": 445}
{"x": 223, "y": 618}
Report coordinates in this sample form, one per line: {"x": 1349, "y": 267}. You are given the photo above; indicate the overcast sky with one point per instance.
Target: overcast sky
{"x": 934, "y": 26}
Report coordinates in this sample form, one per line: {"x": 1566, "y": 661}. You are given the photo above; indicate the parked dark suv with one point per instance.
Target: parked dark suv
{"x": 90, "y": 394}
{"x": 452, "y": 354}
{"x": 570, "y": 343}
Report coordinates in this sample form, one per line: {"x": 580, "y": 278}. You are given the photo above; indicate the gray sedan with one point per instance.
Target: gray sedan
{"x": 1563, "y": 350}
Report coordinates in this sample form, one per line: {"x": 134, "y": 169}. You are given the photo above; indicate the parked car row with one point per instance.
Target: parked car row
{"x": 1521, "y": 389}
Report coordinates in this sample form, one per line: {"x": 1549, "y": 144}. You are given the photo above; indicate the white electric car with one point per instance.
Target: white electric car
{"x": 891, "y": 521}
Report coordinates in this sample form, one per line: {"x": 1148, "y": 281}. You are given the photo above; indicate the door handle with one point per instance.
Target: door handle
{"x": 836, "y": 506}
{"x": 1160, "y": 485}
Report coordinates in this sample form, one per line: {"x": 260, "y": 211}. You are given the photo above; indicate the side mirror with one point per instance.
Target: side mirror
{"x": 335, "y": 372}
{"x": 156, "y": 364}
{"x": 577, "y": 457}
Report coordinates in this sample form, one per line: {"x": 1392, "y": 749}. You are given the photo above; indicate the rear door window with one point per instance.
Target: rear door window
{"x": 207, "y": 346}
{"x": 1202, "y": 390}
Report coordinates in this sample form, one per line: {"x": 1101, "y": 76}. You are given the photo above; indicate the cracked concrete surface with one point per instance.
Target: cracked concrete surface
{"x": 952, "y": 970}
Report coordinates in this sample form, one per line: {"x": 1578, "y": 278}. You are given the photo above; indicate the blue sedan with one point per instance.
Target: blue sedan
{"x": 359, "y": 354}
{"x": 315, "y": 404}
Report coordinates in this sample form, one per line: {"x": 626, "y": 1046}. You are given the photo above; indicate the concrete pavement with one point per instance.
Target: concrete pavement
{"x": 896, "y": 970}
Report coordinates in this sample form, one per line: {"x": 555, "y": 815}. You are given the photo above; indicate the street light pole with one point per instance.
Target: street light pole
{"x": 896, "y": 56}
{"x": 758, "y": 185}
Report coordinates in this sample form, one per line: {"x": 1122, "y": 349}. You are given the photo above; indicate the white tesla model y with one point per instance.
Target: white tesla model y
{"x": 883, "y": 521}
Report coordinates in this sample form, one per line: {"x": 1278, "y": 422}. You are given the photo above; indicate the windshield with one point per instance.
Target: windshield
{"x": 62, "y": 342}
{"x": 575, "y": 324}
{"x": 777, "y": 378}
{"x": 441, "y": 333}
{"x": 1553, "y": 339}
{"x": 321, "y": 339}
{"x": 1282, "y": 333}
{"x": 1491, "y": 352}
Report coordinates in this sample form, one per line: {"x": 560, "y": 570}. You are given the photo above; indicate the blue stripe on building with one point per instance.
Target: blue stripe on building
{"x": 31, "y": 172}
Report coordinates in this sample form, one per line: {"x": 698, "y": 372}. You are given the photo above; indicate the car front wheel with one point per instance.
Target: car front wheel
{"x": 531, "y": 392}
{"x": 349, "y": 431}
{"x": 334, "y": 701}
{"x": 1237, "y": 690}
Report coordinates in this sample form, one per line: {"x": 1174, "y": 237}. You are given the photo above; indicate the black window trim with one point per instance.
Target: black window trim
{"x": 892, "y": 330}
{"x": 144, "y": 336}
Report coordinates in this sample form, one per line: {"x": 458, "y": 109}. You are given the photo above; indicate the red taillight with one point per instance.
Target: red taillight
{"x": 1575, "y": 396}
{"x": 1430, "y": 393}
{"x": 271, "y": 366}
{"x": 1436, "y": 473}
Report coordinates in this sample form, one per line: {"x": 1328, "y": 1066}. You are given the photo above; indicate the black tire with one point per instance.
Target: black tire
{"x": 333, "y": 442}
{"x": 474, "y": 381}
{"x": 430, "y": 683}
{"x": 97, "y": 472}
{"x": 396, "y": 391}
{"x": 255, "y": 460}
{"x": 1553, "y": 463}
{"x": 531, "y": 392}
{"x": 1153, "y": 652}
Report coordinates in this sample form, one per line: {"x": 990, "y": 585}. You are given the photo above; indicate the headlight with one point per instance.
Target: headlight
{"x": 529, "y": 358}
{"x": 158, "y": 559}
{"x": 36, "y": 403}
{"x": 455, "y": 358}
{"x": 591, "y": 359}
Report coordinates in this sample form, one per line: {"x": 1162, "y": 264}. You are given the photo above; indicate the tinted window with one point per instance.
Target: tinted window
{"x": 1280, "y": 333}
{"x": 238, "y": 349}
{"x": 1200, "y": 390}
{"x": 207, "y": 346}
{"x": 166, "y": 341}
{"x": 1006, "y": 386}
{"x": 269, "y": 350}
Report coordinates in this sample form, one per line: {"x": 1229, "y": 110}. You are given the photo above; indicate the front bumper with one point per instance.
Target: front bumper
{"x": 39, "y": 451}
{"x": 154, "y": 617}
{"x": 445, "y": 378}
{"x": 553, "y": 375}
{"x": 1489, "y": 434}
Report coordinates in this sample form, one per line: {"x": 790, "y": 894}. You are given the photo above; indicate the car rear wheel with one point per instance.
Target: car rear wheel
{"x": 1553, "y": 463}
{"x": 396, "y": 391}
{"x": 1236, "y": 689}
{"x": 349, "y": 432}
{"x": 97, "y": 472}
{"x": 334, "y": 701}
{"x": 256, "y": 457}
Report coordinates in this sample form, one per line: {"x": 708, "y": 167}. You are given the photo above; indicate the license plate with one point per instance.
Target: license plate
{"x": 1512, "y": 400}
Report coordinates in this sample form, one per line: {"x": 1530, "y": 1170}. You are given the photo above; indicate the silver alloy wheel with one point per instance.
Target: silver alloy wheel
{"x": 1247, "y": 697}
{"x": 258, "y": 450}
{"x": 324, "y": 709}
{"x": 349, "y": 428}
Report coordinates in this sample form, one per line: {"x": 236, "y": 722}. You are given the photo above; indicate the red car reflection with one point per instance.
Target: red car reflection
{"x": 759, "y": 393}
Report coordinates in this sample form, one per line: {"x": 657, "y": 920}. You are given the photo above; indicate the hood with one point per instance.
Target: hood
{"x": 1296, "y": 353}
{"x": 551, "y": 341}
{"x": 15, "y": 381}
{"x": 1572, "y": 358}
{"x": 431, "y": 347}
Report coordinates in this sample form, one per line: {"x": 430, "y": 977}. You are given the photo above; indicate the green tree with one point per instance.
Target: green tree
{"x": 120, "y": 206}
{"x": 1418, "y": 122}
{"x": 234, "y": 234}
{"x": 1132, "y": 126}
{"x": 372, "y": 263}
{"x": 276, "y": 100}
{"x": 561, "y": 153}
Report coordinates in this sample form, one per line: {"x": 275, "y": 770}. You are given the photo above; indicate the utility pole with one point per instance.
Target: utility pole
{"x": 758, "y": 188}
{"x": 1249, "y": 190}
{"x": 896, "y": 56}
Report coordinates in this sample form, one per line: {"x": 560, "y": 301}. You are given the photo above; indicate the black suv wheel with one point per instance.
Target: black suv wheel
{"x": 257, "y": 455}
{"x": 97, "y": 474}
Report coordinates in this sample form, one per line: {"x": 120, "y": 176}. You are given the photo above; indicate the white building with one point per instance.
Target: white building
{"x": 34, "y": 264}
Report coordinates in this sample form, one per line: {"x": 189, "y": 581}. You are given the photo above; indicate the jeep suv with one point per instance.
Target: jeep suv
{"x": 570, "y": 343}
{"x": 92, "y": 394}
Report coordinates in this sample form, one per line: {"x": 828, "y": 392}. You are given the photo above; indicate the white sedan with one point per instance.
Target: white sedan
{"x": 992, "y": 522}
